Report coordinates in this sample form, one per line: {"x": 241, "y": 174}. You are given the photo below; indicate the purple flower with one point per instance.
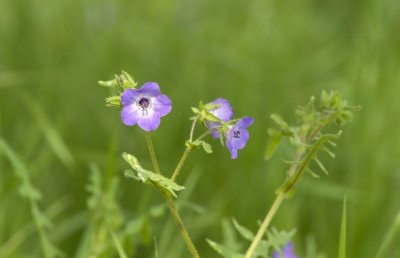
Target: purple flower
{"x": 144, "y": 106}
{"x": 287, "y": 251}
{"x": 224, "y": 111}
{"x": 237, "y": 135}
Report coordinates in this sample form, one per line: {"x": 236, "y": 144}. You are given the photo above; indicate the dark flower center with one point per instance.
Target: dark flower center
{"x": 144, "y": 103}
{"x": 236, "y": 134}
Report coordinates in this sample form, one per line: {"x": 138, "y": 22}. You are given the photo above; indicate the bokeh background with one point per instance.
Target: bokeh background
{"x": 264, "y": 56}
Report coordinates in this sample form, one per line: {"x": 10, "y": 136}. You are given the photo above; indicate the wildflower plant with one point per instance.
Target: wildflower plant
{"x": 144, "y": 107}
{"x": 309, "y": 137}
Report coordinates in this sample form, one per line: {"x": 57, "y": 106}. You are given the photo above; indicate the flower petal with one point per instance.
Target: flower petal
{"x": 245, "y": 122}
{"x": 130, "y": 115}
{"x": 237, "y": 143}
{"x": 212, "y": 125}
{"x": 149, "y": 121}
{"x": 150, "y": 89}
{"x": 234, "y": 153}
{"x": 224, "y": 111}
{"x": 129, "y": 96}
{"x": 162, "y": 105}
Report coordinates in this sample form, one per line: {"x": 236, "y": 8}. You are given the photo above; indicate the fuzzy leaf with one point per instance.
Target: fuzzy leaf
{"x": 145, "y": 175}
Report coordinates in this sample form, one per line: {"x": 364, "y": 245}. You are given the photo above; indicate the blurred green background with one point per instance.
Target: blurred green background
{"x": 264, "y": 56}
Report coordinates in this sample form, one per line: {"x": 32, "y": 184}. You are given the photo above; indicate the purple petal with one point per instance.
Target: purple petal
{"x": 162, "y": 105}
{"x": 129, "y": 96}
{"x": 234, "y": 153}
{"x": 149, "y": 121}
{"x": 130, "y": 115}
{"x": 237, "y": 136}
{"x": 224, "y": 111}
{"x": 237, "y": 142}
{"x": 245, "y": 122}
{"x": 150, "y": 89}
{"x": 212, "y": 125}
{"x": 287, "y": 251}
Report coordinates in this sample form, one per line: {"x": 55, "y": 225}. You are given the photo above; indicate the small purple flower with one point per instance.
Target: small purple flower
{"x": 144, "y": 106}
{"x": 224, "y": 111}
{"x": 237, "y": 135}
{"x": 287, "y": 251}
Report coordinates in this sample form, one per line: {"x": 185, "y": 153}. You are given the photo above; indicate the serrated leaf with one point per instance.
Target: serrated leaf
{"x": 145, "y": 175}
{"x": 223, "y": 250}
{"x": 277, "y": 239}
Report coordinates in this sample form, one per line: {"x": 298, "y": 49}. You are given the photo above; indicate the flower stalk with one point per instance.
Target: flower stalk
{"x": 152, "y": 153}
{"x": 170, "y": 202}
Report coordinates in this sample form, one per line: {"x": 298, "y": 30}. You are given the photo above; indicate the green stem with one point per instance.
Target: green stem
{"x": 185, "y": 155}
{"x": 296, "y": 171}
{"x": 271, "y": 213}
{"x": 185, "y": 235}
{"x": 181, "y": 163}
{"x": 152, "y": 153}
{"x": 193, "y": 127}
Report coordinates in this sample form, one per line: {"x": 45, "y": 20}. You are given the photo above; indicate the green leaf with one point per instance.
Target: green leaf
{"x": 342, "y": 239}
{"x": 280, "y": 122}
{"x": 206, "y": 147}
{"x": 390, "y": 238}
{"x": 321, "y": 166}
{"x": 113, "y": 101}
{"x": 223, "y": 250}
{"x": 244, "y": 232}
{"x": 274, "y": 140}
{"x": 146, "y": 175}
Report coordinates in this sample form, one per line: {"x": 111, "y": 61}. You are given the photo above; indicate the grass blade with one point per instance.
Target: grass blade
{"x": 342, "y": 239}
{"x": 389, "y": 239}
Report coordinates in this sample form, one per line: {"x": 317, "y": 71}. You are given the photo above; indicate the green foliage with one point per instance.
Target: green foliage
{"x": 274, "y": 240}
{"x": 33, "y": 195}
{"x": 117, "y": 86}
{"x": 263, "y": 56}
{"x": 149, "y": 177}
{"x": 308, "y": 136}
{"x": 205, "y": 145}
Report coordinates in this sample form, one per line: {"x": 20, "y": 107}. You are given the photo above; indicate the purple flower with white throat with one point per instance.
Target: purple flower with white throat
{"x": 287, "y": 252}
{"x": 144, "y": 106}
{"x": 223, "y": 111}
{"x": 237, "y": 135}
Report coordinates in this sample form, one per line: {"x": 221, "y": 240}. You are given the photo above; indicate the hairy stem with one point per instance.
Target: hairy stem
{"x": 193, "y": 127}
{"x": 152, "y": 153}
{"x": 181, "y": 163}
{"x": 174, "y": 212}
{"x": 185, "y": 235}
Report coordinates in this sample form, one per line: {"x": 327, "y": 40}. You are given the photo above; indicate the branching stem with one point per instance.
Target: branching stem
{"x": 185, "y": 155}
{"x": 174, "y": 212}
